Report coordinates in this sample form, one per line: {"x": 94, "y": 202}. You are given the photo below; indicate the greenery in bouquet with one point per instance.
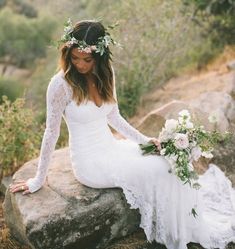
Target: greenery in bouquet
{"x": 183, "y": 143}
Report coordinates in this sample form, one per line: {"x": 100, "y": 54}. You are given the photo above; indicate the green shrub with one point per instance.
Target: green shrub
{"x": 2, "y": 3}
{"x": 11, "y": 88}
{"x": 22, "y": 39}
{"x": 217, "y": 17}
{"x": 23, "y": 8}
{"x": 20, "y": 135}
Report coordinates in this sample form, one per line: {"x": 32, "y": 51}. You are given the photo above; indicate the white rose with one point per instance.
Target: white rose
{"x": 181, "y": 141}
{"x": 207, "y": 154}
{"x": 162, "y": 152}
{"x": 164, "y": 136}
{"x": 171, "y": 125}
{"x": 196, "y": 153}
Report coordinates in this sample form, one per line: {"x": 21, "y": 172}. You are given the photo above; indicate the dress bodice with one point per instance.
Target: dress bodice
{"x": 80, "y": 120}
{"x": 86, "y": 112}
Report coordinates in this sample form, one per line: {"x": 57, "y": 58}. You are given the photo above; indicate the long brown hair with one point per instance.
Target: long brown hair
{"x": 89, "y": 31}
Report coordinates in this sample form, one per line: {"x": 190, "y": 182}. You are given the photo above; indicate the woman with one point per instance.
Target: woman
{"x": 83, "y": 92}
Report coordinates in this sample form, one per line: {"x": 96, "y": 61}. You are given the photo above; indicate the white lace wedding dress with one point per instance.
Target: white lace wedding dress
{"x": 100, "y": 160}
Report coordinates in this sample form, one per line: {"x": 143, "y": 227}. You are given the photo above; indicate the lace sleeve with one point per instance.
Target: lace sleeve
{"x": 56, "y": 99}
{"x": 121, "y": 125}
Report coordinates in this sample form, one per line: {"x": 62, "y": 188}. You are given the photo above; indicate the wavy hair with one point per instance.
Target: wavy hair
{"x": 89, "y": 31}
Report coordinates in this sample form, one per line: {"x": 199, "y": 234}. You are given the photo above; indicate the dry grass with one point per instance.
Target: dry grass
{"x": 6, "y": 240}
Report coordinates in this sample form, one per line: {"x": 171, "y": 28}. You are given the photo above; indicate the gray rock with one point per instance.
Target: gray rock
{"x": 218, "y": 104}
{"x": 154, "y": 121}
{"x": 224, "y": 157}
{"x": 231, "y": 65}
{"x": 6, "y": 180}
{"x": 65, "y": 213}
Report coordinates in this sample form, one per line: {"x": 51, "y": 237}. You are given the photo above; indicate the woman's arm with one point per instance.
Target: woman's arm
{"x": 121, "y": 125}
{"x": 57, "y": 99}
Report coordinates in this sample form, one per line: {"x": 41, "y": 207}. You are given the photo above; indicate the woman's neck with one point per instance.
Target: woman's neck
{"x": 90, "y": 77}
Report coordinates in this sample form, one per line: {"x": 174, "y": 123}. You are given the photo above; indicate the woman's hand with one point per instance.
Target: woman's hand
{"x": 18, "y": 186}
{"x": 156, "y": 142}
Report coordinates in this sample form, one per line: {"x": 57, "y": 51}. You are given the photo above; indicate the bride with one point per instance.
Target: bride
{"x": 83, "y": 93}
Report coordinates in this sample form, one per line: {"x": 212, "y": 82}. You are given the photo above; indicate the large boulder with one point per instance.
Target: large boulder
{"x": 219, "y": 104}
{"x": 153, "y": 122}
{"x": 65, "y": 213}
{"x": 224, "y": 157}
{"x": 222, "y": 106}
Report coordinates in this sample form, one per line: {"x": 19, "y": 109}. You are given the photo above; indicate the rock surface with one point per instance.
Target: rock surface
{"x": 66, "y": 214}
{"x": 153, "y": 122}
{"x": 218, "y": 104}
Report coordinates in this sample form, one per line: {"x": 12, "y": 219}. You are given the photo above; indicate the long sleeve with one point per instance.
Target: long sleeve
{"x": 122, "y": 126}
{"x": 57, "y": 98}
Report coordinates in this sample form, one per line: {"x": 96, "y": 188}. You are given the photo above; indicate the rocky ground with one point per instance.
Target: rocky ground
{"x": 216, "y": 76}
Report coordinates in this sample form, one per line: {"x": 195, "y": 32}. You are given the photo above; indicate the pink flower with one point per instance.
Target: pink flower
{"x": 181, "y": 141}
{"x": 93, "y": 47}
{"x": 87, "y": 50}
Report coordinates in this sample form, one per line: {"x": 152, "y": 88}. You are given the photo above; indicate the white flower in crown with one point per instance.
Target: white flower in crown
{"x": 93, "y": 47}
{"x": 72, "y": 41}
{"x": 100, "y": 47}
{"x": 87, "y": 50}
{"x": 106, "y": 40}
{"x": 68, "y": 28}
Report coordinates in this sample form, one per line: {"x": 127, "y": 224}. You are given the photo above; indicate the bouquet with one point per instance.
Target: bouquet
{"x": 183, "y": 143}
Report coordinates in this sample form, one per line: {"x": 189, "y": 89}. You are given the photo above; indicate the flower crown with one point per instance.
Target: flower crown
{"x": 100, "y": 46}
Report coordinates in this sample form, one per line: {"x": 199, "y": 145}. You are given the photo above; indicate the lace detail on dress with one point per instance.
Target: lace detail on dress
{"x": 151, "y": 212}
{"x": 156, "y": 219}
{"x": 58, "y": 96}
{"x": 121, "y": 125}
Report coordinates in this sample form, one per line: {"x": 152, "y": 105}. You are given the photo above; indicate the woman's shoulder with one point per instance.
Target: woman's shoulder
{"x": 58, "y": 77}
{"x": 58, "y": 81}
